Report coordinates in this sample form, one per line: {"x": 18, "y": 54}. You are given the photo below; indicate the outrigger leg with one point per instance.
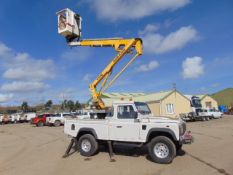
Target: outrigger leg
{"x": 110, "y": 151}
{"x": 72, "y": 142}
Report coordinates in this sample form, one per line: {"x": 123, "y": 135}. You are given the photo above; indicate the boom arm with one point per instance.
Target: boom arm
{"x": 123, "y": 46}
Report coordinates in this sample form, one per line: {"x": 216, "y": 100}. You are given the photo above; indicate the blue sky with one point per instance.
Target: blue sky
{"x": 187, "y": 42}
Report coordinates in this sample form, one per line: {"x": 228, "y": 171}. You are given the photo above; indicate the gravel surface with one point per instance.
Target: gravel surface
{"x": 27, "y": 150}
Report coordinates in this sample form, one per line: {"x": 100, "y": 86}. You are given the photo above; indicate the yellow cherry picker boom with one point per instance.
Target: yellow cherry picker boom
{"x": 70, "y": 26}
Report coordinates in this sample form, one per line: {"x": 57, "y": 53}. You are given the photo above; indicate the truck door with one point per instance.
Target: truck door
{"x": 125, "y": 127}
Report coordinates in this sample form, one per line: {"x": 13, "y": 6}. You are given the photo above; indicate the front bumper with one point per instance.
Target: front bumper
{"x": 187, "y": 138}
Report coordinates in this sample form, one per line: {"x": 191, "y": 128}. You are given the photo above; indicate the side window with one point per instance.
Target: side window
{"x": 67, "y": 115}
{"x": 170, "y": 108}
{"x": 125, "y": 112}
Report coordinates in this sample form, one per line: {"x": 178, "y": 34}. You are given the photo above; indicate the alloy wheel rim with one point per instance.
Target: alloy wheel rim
{"x": 161, "y": 150}
{"x": 86, "y": 145}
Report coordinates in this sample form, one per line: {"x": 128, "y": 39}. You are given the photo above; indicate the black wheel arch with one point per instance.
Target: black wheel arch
{"x": 153, "y": 132}
{"x": 83, "y": 131}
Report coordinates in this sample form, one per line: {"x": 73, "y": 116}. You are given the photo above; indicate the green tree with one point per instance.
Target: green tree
{"x": 24, "y": 106}
{"x": 78, "y": 105}
{"x": 70, "y": 105}
{"x": 48, "y": 104}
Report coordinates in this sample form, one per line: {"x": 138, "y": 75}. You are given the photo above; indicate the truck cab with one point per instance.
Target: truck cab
{"x": 131, "y": 123}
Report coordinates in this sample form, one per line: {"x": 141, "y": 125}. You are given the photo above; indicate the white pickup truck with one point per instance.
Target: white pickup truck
{"x": 213, "y": 113}
{"x": 57, "y": 119}
{"x": 129, "y": 123}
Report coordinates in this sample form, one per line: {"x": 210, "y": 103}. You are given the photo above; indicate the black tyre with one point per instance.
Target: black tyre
{"x": 57, "y": 123}
{"x": 40, "y": 124}
{"x": 207, "y": 118}
{"x": 162, "y": 150}
{"x": 87, "y": 145}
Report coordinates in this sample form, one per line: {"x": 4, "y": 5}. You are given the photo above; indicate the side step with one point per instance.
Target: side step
{"x": 134, "y": 144}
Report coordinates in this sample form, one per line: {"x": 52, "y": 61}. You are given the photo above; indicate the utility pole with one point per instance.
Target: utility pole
{"x": 174, "y": 86}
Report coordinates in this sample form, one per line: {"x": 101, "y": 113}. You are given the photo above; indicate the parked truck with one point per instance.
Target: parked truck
{"x": 130, "y": 123}
{"x": 197, "y": 111}
{"x": 40, "y": 120}
{"x": 57, "y": 119}
{"x": 126, "y": 122}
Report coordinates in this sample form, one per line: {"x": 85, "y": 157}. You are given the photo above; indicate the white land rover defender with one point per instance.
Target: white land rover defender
{"x": 129, "y": 123}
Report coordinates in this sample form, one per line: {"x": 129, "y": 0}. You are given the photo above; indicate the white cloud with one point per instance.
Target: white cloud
{"x": 67, "y": 94}
{"x": 133, "y": 9}
{"x": 192, "y": 67}
{"x": 22, "y": 66}
{"x": 28, "y": 74}
{"x": 148, "y": 67}
{"x": 5, "y": 97}
{"x": 23, "y": 87}
{"x": 149, "y": 29}
{"x": 4, "y": 50}
{"x": 31, "y": 69}
{"x": 87, "y": 77}
{"x": 155, "y": 43}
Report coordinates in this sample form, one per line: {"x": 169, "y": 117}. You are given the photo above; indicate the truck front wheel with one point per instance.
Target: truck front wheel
{"x": 40, "y": 124}
{"x": 162, "y": 150}
{"x": 87, "y": 145}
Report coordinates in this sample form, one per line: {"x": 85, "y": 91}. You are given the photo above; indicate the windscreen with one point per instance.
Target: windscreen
{"x": 196, "y": 102}
{"x": 142, "y": 108}
{"x": 40, "y": 116}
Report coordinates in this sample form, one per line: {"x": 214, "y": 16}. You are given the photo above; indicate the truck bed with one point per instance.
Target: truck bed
{"x": 72, "y": 126}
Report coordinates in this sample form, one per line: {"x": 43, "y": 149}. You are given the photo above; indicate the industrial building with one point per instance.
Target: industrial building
{"x": 208, "y": 102}
{"x": 165, "y": 103}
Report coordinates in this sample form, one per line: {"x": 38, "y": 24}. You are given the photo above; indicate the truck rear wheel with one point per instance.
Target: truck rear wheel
{"x": 57, "y": 123}
{"x": 87, "y": 145}
{"x": 162, "y": 150}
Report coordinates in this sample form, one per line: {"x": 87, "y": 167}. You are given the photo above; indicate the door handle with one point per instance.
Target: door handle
{"x": 119, "y": 126}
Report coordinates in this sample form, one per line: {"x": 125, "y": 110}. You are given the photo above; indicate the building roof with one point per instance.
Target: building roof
{"x": 108, "y": 98}
{"x": 201, "y": 96}
{"x": 153, "y": 96}
{"x": 121, "y": 95}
